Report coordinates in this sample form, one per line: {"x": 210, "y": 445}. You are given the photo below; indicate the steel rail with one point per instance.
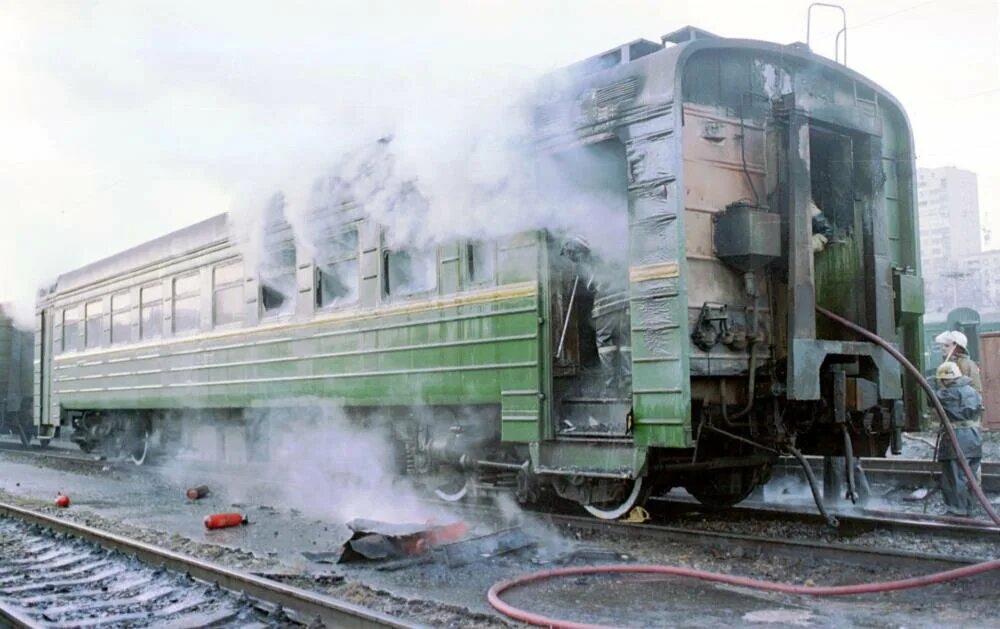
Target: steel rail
{"x": 909, "y": 470}
{"x": 856, "y": 519}
{"x": 309, "y": 606}
{"x": 725, "y": 540}
{"x": 768, "y": 546}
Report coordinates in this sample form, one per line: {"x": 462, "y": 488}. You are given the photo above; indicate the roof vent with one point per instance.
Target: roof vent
{"x": 686, "y": 34}
{"x": 623, "y": 54}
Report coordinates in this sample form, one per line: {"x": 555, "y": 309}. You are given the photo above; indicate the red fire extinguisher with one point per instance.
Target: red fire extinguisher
{"x": 224, "y": 520}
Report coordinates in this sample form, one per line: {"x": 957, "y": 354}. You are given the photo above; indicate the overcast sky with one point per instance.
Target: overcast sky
{"x": 122, "y": 121}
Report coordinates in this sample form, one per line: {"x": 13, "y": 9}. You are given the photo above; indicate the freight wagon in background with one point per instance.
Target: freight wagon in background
{"x": 16, "y": 347}
{"x": 477, "y": 358}
{"x": 989, "y": 352}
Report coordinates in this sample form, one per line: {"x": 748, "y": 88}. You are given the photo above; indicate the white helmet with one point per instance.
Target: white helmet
{"x": 953, "y": 336}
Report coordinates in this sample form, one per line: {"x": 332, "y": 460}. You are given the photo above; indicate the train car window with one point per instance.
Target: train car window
{"x": 95, "y": 323}
{"x": 481, "y": 261}
{"x": 151, "y": 317}
{"x": 227, "y": 293}
{"x": 71, "y": 328}
{"x": 277, "y": 279}
{"x": 187, "y": 302}
{"x": 337, "y": 272}
{"x": 121, "y": 318}
{"x": 408, "y": 272}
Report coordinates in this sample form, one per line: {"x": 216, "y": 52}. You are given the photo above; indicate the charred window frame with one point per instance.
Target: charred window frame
{"x": 94, "y": 328}
{"x": 151, "y": 312}
{"x": 277, "y": 281}
{"x": 338, "y": 274}
{"x": 409, "y": 272}
{"x": 121, "y": 318}
{"x": 71, "y": 328}
{"x": 186, "y": 304}
{"x": 480, "y": 261}
{"x": 227, "y": 294}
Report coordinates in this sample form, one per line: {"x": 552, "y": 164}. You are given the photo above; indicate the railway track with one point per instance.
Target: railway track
{"x": 60, "y": 574}
{"x": 58, "y": 454}
{"x": 852, "y": 521}
{"x": 909, "y": 472}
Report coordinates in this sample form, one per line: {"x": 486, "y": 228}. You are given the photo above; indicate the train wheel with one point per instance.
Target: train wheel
{"x": 44, "y": 443}
{"x": 139, "y": 448}
{"x": 634, "y": 493}
{"x": 727, "y": 488}
{"x": 454, "y": 489}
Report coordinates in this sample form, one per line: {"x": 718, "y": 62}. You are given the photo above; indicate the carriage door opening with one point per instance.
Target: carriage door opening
{"x": 589, "y": 257}
{"x": 838, "y": 217}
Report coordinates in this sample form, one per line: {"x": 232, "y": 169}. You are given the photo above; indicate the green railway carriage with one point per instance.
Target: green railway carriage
{"x": 723, "y": 161}
{"x": 15, "y": 378}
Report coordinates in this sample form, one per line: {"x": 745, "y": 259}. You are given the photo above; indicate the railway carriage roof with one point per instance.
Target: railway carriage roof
{"x": 176, "y": 243}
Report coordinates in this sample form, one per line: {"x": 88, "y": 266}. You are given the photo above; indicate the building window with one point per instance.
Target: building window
{"x": 71, "y": 328}
{"x": 337, "y": 271}
{"x": 121, "y": 318}
{"x": 227, "y": 293}
{"x": 408, "y": 272}
{"x": 151, "y": 316}
{"x": 480, "y": 260}
{"x": 95, "y": 323}
{"x": 187, "y": 298}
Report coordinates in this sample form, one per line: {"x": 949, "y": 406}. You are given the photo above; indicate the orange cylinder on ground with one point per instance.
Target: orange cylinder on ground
{"x": 195, "y": 493}
{"x": 224, "y": 520}
{"x": 62, "y": 501}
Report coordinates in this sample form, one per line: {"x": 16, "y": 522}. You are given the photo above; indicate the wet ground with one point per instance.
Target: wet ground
{"x": 291, "y": 513}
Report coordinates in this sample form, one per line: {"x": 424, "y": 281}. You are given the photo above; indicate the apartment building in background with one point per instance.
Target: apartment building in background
{"x": 956, "y": 271}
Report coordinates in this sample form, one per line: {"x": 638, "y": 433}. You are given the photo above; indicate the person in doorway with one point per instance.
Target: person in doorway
{"x": 609, "y": 315}
{"x": 954, "y": 348}
{"x": 964, "y": 407}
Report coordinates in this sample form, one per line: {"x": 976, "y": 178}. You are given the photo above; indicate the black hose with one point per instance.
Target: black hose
{"x": 970, "y": 478}
{"x": 813, "y": 485}
{"x": 852, "y": 493}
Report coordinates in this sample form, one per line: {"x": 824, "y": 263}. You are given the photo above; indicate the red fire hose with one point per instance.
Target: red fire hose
{"x": 834, "y": 590}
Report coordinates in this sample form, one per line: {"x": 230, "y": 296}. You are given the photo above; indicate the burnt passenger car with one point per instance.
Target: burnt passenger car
{"x": 723, "y": 159}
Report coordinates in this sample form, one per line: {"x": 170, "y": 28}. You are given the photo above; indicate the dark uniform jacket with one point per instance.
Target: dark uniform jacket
{"x": 964, "y": 407}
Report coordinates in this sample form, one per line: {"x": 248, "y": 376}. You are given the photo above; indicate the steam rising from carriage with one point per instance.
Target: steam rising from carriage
{"x": 432, "y": 298}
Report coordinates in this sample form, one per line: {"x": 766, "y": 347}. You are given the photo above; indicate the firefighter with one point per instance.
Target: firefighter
{"x": 964, "y": 407}
{"x": 609, "y": 315}
{"x": 954, "y": 348}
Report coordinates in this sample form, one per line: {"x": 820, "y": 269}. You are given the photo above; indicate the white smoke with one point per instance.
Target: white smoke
{"x": 309, "y": 456}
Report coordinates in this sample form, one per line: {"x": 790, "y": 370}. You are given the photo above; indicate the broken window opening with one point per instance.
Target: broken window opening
{"x": 481, "y": 259}
{"x": 408, "y": 272}
{"x": 338, "y": 275}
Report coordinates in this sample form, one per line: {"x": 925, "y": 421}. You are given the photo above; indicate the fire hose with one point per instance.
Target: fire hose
{"x": 522, "y": 615}
{"x": 831, "y": 590}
